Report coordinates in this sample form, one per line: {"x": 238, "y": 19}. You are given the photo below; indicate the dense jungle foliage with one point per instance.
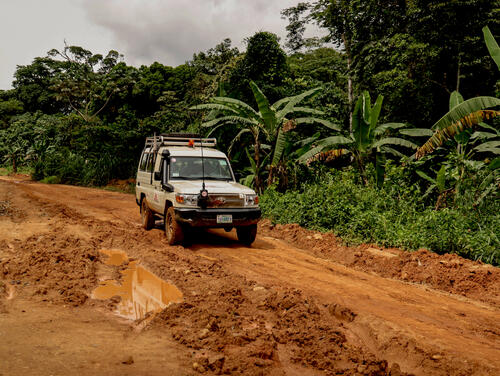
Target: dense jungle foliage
{"x": 384, "y": 130}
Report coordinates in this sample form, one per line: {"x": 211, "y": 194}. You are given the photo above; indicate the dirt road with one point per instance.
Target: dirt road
{"x": 296, "y": 302}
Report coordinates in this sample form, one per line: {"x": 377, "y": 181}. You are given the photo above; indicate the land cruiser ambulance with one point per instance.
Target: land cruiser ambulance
{"x": 183, "y": 179}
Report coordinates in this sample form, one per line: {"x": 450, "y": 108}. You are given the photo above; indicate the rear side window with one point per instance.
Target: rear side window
{"x": 150, "y": 163}
{"x": 144, "y": 162}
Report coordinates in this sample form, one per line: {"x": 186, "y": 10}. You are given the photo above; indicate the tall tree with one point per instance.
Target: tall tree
{"x": 264, "y": 63}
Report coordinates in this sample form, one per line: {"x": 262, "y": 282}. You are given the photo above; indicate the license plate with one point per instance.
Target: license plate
{"x": 224, "y": 218}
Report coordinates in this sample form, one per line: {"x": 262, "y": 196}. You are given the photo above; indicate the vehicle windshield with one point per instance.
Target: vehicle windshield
{"x": 190, "y": 168}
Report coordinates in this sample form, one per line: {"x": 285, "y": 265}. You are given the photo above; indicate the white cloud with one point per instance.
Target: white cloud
{"x": 170, "y": 31}
{"x": 167, "y": 31}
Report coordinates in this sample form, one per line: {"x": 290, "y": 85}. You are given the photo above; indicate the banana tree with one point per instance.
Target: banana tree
{"x": 463, "y": 115}
{"x": 367, "y": 141}
{"x": 266, "y": 124}
{"x": 466, "y": 114}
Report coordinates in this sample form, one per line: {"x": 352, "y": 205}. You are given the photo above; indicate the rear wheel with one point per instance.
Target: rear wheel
{"x": 147, "y": 217}
{"x": 173, "y": 229}
{"x": 247, "y": 234}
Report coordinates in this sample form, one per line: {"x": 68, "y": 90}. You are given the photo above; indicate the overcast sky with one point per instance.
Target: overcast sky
{"x": 167, "y": 31}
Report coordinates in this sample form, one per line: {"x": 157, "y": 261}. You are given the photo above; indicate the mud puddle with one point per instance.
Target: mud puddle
{"x": 141, "y": 291}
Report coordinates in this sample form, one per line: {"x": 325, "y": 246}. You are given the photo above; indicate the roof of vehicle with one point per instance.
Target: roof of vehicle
{"x": 185, "y": 151}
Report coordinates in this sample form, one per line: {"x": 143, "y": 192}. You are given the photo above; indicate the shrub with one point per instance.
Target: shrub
{"x": 394, "y": 215}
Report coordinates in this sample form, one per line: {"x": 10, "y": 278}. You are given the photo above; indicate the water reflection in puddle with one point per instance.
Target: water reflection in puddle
{"x": 141, "y": 291}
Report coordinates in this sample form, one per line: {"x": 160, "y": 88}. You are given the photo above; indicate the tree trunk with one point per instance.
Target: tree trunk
{"x": 14, "y": 165}
{"x": 257, "y": 165}
{"x": 350, "y": 96}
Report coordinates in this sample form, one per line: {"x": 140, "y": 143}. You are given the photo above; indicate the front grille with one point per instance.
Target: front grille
{"x": 226, "y": 201}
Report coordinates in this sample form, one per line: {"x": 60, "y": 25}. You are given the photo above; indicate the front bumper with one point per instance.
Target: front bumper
{"x": 208, "y": 217}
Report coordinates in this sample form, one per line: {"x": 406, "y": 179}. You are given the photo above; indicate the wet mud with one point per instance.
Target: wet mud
{"x": 296, "y": 302}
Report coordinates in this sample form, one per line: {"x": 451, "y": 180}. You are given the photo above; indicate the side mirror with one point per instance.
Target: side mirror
{"x": 168, "y": 187}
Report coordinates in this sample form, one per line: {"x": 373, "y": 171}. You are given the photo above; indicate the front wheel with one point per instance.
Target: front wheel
{"x": 247, "y": 234}
{"x": 173, "y": 229}
{"x": 147, "y": 217}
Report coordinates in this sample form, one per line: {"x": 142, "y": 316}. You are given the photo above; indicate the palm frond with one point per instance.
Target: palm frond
{"x": 442, "y": 135}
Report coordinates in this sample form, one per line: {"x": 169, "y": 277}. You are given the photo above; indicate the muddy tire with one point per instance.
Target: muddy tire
{"x": 147, "y": 216}
{"x": 247, "y": 234}
{"x": 173, "y": 230}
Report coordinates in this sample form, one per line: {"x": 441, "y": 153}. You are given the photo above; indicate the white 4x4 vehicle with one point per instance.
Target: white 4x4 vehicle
{"x": 185, "y": 180}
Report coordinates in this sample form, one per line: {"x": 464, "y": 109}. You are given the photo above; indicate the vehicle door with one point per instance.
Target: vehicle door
{"x": 157, "y": 202}
{"x": 144, "y": 175}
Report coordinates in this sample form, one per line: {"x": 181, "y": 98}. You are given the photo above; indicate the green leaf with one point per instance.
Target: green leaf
{"x": 312, "y": 120}
{"x": 492, "y": 46}
{"x": 417, "y": 132}
{"x": 392, "y": 151}
{"x": 487, "y": 126}
{"x": 384, "y": 127}
{"x": 483, "y": 135}
{"x": 425, "y": 176}
{"x": 309, "y": 154}
{"x": 279, "y": 147}
{"x": 494, "y": 164}
{"x": 360, "y": 128}
{"x": 268, "y": 115}
{"x": 490, "y": 146}
{"x": 334, "y": 141}
{"x": 236, "y": 102}
{"x": 375, "y": 112}
{"x": 440, "y": 179}
{"x": 395, "y": 141}
{"x": 228, "y": 119}
{"x": 455, "y": 99}
{"x": 466, "y": 108}
{"x": 213, "y": 106}
{"x": 308, "y": 110}
{"x": 294, "y": 101}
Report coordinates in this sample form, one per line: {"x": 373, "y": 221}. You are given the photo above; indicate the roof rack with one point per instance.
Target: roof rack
{"x": 179, "y": 139}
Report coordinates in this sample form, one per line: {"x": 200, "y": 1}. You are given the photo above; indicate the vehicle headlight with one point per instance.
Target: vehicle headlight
{"x": 190, "y": 200}
{"x": 251, "y": 200}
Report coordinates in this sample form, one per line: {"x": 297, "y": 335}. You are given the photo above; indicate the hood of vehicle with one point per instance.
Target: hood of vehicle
{"x": 213, "y": 187}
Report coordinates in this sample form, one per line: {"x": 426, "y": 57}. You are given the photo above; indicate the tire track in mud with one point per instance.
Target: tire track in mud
{"x": 274, "y": 308}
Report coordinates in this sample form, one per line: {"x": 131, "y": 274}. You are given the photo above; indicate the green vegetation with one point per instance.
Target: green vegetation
{"x": 299, "y": 126}
{"x": 396, "y": 215}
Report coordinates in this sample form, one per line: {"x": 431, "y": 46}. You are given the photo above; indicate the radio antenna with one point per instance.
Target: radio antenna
{"x": 202, "y": 165}
{"x": 203, "y": 197}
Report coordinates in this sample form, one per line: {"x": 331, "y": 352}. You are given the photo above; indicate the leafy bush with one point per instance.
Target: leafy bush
{"x": 394, "y": 215}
